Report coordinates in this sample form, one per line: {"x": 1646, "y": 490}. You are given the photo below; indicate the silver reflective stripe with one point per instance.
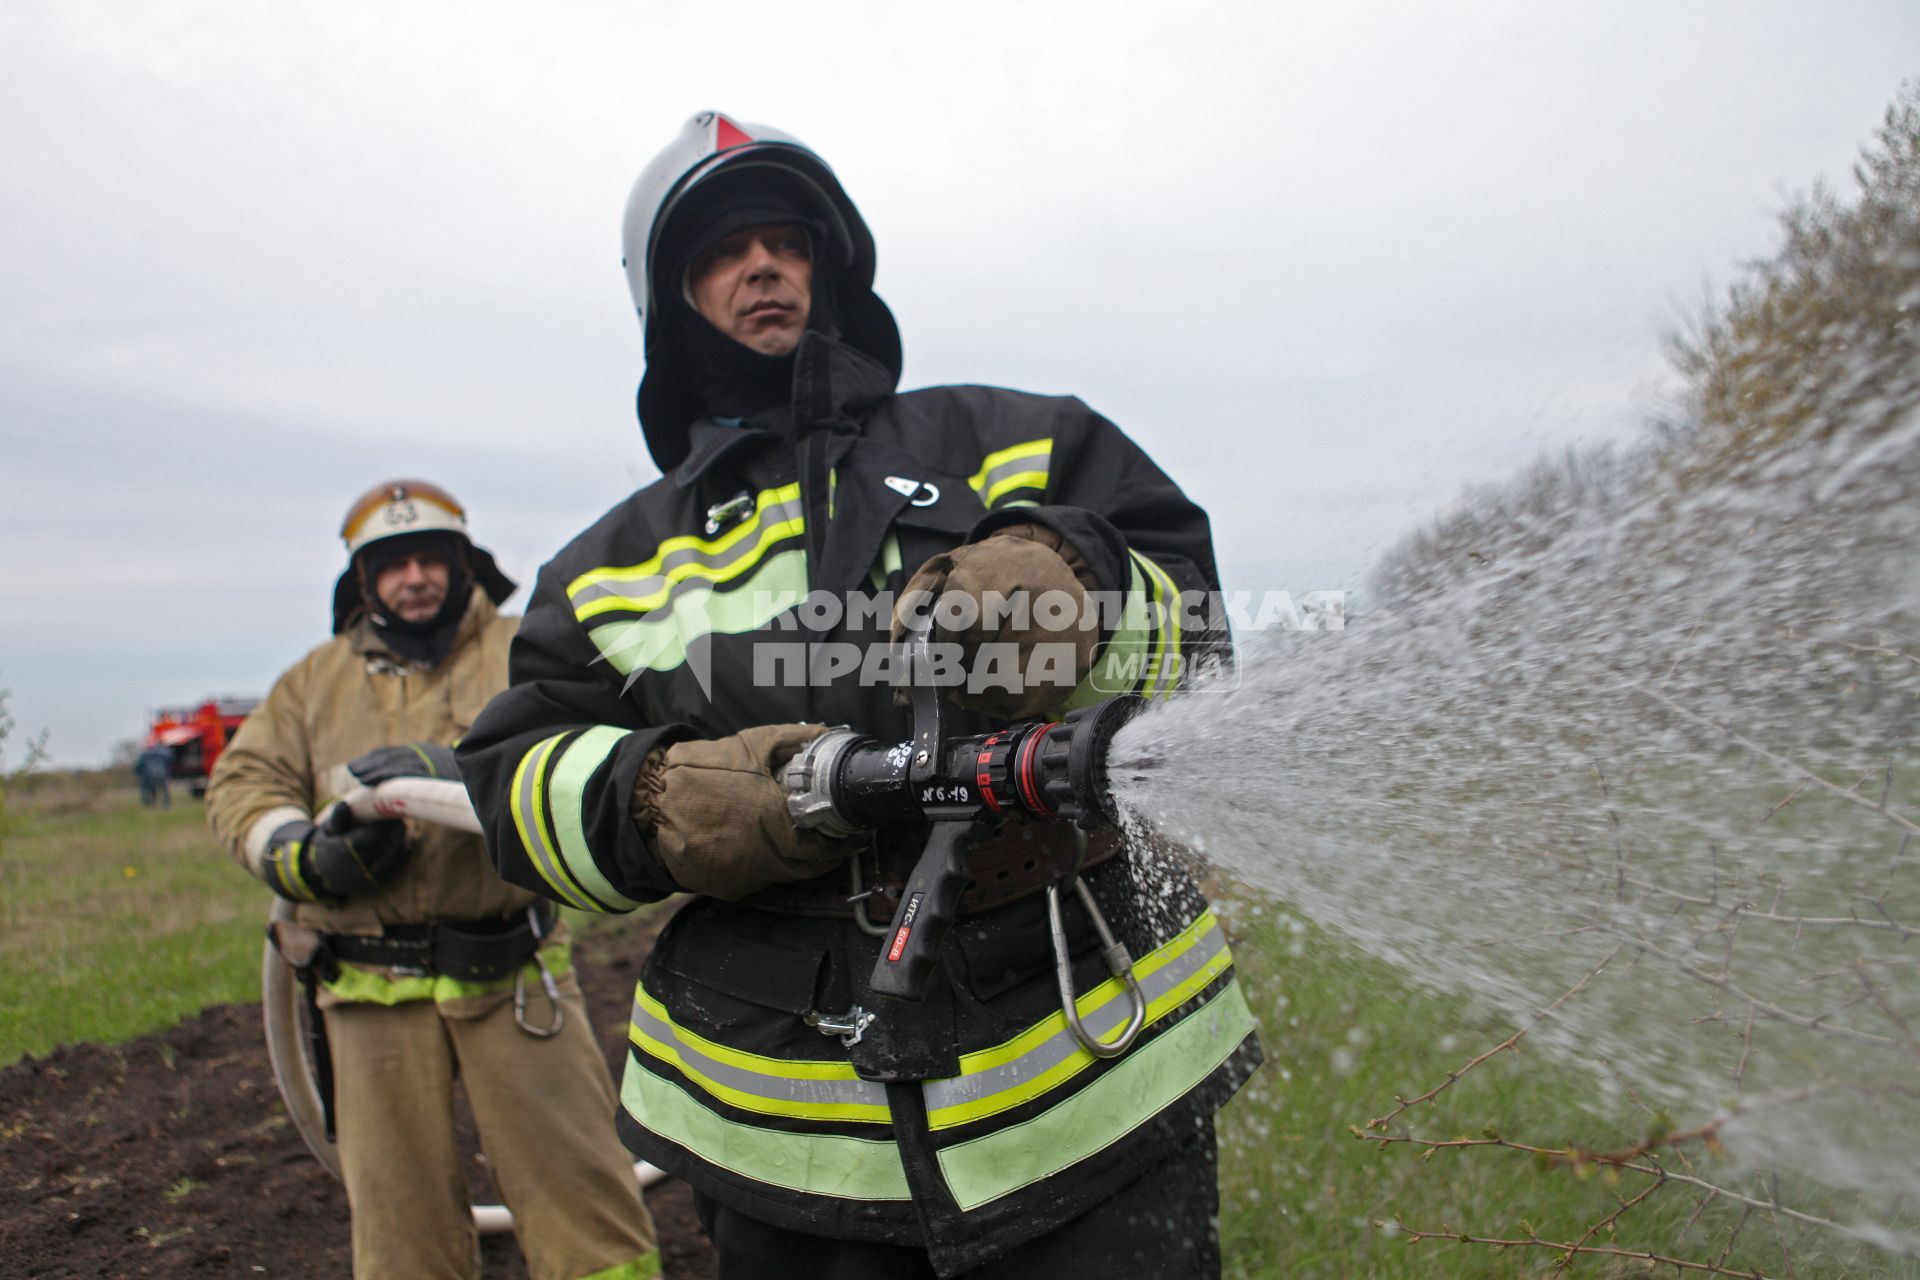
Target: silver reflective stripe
{"x": 813, "y": 1097}
{"x": 659, "y": 641}
{"x": 968, "y": 1090}
{"x": 992, "y": 481}
{"x": 1137, "y": 1088}
{"x": 817, "y": 1164}
{"x": 606, "y": 586}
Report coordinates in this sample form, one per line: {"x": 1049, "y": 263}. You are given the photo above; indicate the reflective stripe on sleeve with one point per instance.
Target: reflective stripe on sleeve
{"x": 1046, "y": 1055}
{"x": 815, "y": 1163}
{"x": 566, "y": 802}
{"x": 1163, "y": 669}
{"x": 570, "y": 873}
{"x": 800, "y": 1090}
{"x": 1137, "y": 1088}
{"x": 254, "y": 848}
{"x": 1012, "y": 470}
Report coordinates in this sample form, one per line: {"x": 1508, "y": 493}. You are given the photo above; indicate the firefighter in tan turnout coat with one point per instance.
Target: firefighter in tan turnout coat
{"x": 415, "y": 951}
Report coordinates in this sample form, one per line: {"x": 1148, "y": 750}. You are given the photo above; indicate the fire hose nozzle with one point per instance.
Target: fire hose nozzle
{"x": 845, "y": 782}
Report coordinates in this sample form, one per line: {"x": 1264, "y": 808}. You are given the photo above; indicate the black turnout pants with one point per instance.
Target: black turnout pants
{"x": 1162, "y": 1226}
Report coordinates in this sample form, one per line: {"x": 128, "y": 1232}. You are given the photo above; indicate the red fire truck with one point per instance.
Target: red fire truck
{"x": 195, "y": 736}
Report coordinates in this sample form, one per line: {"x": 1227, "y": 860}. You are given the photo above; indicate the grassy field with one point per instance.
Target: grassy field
{"x": 117, "y": 921}
{"x": 1346, "y": 1036}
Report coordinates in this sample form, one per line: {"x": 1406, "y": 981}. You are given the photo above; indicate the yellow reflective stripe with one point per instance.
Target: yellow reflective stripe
{"x": 644, "y": 1267}
{"x": 287, "y": 868}
{"x": 1137, "y": 1088}
{"x": 1018, "y": 480}
{"x": 693, "y": 570}
{"x": 1152, "y": 962}
{"x": 374, "y": 986}
{"x": 526, "y": 800}
{"x": 889, "y": 562}
{"x": 1055, "y": 1057}
{"x": 685, "y": 557}
{"x": 814, "y": 1163}
{"x": 566, "y": 798}
{"x": 796, "y": 1069}
{"x": 659, "y": 641}
{"x": 799, "y": 1089}
{"x": 689, "y": 542}
{"x": 1160, "y": 675}
{"x": 1020, "y": 466}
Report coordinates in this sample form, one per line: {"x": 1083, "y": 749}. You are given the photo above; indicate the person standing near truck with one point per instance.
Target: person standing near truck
{"x": 154, "y": 767}
{"x": 421, "y": 963}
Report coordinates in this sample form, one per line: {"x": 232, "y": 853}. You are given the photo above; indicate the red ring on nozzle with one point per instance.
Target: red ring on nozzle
{"x": 982, "y": 777}
{"x": 1023, "y": 774}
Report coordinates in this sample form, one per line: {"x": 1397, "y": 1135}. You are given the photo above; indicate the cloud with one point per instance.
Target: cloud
{"x": 1325, "y": 261}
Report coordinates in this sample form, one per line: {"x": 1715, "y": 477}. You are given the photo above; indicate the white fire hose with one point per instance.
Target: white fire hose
{"x": 285, "y": 1010}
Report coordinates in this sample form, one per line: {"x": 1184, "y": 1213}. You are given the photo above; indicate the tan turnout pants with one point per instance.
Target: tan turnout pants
{"x": 545, "y": 1112}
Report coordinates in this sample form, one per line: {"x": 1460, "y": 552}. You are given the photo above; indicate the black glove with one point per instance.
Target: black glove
{"x": 341, "y": 859}
{"x": 404, "y": 760}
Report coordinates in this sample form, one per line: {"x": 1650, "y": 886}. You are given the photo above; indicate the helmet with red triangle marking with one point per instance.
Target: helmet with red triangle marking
{"x": 714, "y": 162}
{"x": 709, "y": 146}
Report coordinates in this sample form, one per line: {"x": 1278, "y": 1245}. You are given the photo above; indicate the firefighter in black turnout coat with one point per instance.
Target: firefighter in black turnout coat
{"x": 679, "y": 651}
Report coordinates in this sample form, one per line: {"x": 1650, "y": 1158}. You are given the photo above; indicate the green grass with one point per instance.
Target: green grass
{"x": 116, "y": 921}
{"x": 1344, "y": 1037}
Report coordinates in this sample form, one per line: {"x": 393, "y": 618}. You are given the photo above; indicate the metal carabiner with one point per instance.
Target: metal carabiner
{"x": 848, "y": 1026}
{"x": 547, "y": 984}
{"x": 553, "y": 997}
{"x": 1119, "y": 964}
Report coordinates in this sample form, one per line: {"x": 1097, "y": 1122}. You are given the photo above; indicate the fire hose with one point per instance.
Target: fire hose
{"x": 846, "y": 782}
{"x": 284, "y": 1007}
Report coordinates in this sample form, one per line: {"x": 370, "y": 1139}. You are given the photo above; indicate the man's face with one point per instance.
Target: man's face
{"x": 414, "y": 585}
{"x": 756, "y": 286}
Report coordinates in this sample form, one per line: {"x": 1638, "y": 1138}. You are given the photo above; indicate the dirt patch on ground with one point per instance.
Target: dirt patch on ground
{"x": 172, "y": 1155}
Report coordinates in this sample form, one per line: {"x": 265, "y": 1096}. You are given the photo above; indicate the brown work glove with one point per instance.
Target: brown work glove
{"x": 715, "y": 815}
{"x": 1021, "y": 571}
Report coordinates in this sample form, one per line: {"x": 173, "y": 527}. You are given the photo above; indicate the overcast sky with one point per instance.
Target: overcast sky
{"x": 1328, "y": 262}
